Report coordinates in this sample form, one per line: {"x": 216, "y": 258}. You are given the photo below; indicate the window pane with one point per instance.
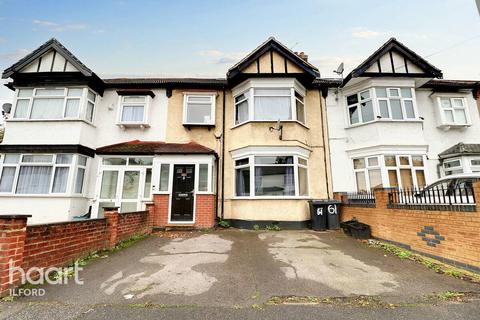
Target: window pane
{"x": 128, "y": 207}
{"x": 134, "y": 99}
{"x": 148, "y": 183}
{"x": 79, "y": 180}
{"x": 6, "y": 180}
{"x": 11, "y": 158}
{"x": 72, "y": 108}
{"x": 384, "y": 113}
{"x": 241, "y": 162}
{"x": 109, "y": 185}
{"x": 299, "y": 96}
{"x": 201, "y": 99}
{"x": 361, "y": 182}
{"x": 392, "y": 178}
{"x": 82, "y": 161}
{"x": 274, "y": 181}
{"x": 273, "y": 92}
{"x": 390, "y": 161}
{"x": 34, "y": 180}
{"x": 352, "y": 99}
{"x": 242, "y": 182}
{"x": 375, "y": 177}
{"x": 406, "y": 92}
{"x": 240, "y": 97}
{"x": 381, "y": 92}
{"x": 272, "y": 108}
{"x": 417, "y": 161}
{"x": 445, "y": 103}
{"x": 410, "y": 112}
{"x": 89, "y": 113}
{"x": 115, "y": 161}
{"x": 394, "y": 92}
{"x": 372, "y": 162}
{"x": 199, "y": 113}
{"x": 353, "y": 113}
{"x": 21, "y": 110}
{"x": 131, "y": 183}
{"x": 302, "y": 181}
{"x": 274, "y": 160}
{"x": 203, "y": 177}
{"x": 132, "y": 114}
{"x": 449, "y": 116}
{"x": 91, "y": 95}
{"x": 396, "y": 107}
{"x": 300, "y": 112}
{"x": 63, "y": 158}
{"x": 420, "y": 178}
{"x": 140, "y": 161}
{"x": 359, "y": 163}
{"x": 367, "y": 111}
{"x": 75, "y": 92}
{"x": 451, "y": 164}
{"x": 47, "y": 108}
{"x": 164, "y": 174}
{"x": 404, "y": 161}
{"x": 60, "y": 180}
{"x": 302, "y": 161}
{"x": 460, "y": 116}
{"x": 241, "y": 112}
{"x": 50, "y": 92}
{"x": 406, "y": 178}
{"x": 475, "y": 162}
{"x": 25, "y": 92}
{"x": 457, "y": 103}
{"x": 37, "y": 158}
{"x": 364, "y": 95}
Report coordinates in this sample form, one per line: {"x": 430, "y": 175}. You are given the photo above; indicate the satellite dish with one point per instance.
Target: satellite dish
{"x": 7, "y": 107}
{"x": 340, "y": 69}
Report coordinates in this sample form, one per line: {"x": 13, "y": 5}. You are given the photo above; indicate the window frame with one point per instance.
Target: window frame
{"x": 146, "y": 108}
{"x": 251, "y": 165}
{"x": 82, "y": 108}
{"x": 456, "y": 168}
{"x": 248, "y": 89}
{"x": 186, "y": 102}
{"x": 452, "y": 108}
{"x": 72, "y": 169}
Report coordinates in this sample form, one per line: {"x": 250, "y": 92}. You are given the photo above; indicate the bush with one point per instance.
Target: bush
{"x": 224, "y": 224}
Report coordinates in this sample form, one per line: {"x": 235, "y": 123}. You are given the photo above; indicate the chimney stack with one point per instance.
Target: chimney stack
{"x": 302, "y": 56}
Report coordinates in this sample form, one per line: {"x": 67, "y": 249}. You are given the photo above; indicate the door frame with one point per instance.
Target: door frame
{"x": 195, "y": 183}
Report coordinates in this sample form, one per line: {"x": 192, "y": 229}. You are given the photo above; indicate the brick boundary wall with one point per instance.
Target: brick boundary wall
{"x": 451, "y": 236}
{"x": 59, "y": 244}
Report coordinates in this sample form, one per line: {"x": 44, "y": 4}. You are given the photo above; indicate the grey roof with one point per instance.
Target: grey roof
{"x": 164, "y": 81}
{"x": 452, "y": 84}
{"x": 461, "y": 149}
{"x": 50, "y": 44}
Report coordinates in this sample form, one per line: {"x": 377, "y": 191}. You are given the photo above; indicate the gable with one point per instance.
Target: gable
{"x": 52, "y": 61}
{"x": 395, "y": 62}
{"x": 272, "y": 62}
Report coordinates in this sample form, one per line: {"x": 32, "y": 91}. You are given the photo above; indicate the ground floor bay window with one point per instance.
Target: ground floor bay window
{"x": 271, "y": 176}
{"x": 389, "y": 170}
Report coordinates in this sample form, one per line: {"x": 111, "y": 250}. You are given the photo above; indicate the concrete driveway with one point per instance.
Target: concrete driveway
{"x": 237, "y": 268}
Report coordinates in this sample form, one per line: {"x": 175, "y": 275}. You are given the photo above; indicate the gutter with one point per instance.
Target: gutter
{"x": 223, "y": 156}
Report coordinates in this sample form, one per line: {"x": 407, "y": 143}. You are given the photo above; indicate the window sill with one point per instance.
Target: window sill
{"x": 383, "y": 121}
{"x": 273, "y": 198}
{"x": 51, "y": 120}
{"x": 62, "y": 196}
{"x": 446, "y": 126}
{"x": 270, "y": 121}
{"x": 133, "y": 125}
{"x": 199, "y": 125}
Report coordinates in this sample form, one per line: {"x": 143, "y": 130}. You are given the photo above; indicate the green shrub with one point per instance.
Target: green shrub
{"x": 224, "y": 224}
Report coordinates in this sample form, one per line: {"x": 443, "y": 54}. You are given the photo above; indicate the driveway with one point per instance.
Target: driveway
{"x": 235, "y": 268}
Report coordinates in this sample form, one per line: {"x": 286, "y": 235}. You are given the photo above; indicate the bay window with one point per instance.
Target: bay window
{"x": 271, "y": 176}
{"x": 41, "y": 174}
{"x": 199, "y": 109}
{"x": 54, "y": 104}
{"x": 381, "y": 103}
{"x": 269, "y": 101}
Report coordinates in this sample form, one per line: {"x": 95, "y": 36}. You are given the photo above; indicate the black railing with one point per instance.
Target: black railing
{"x": 433, "y": 196}
{"x": 361, "y": 197}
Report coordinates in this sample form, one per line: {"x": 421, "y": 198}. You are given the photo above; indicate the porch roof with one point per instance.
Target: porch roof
{"x": 461, "y": 149}
{"x": 137, "y": 147}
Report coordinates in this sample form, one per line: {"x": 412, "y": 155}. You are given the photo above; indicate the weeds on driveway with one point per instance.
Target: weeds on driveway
{"x": 432, "y": 264}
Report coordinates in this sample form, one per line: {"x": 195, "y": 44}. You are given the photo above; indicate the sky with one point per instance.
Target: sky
{"x": 186, "y": 38}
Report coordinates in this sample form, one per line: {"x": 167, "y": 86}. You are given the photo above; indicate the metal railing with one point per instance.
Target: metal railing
{"x": 433, "y": 196}
{"x": 360, "y": 197}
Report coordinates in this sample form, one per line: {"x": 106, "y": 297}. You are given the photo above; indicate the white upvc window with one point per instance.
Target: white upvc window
{"x": 199, "y": 109}
{"x": 40, "y": 174}
{"x": 475, "y": 165}
{"x": 368, "y": 174}
{"x": 54, "y": 103}
{"x": 384, "y": 103}
{"x": 270, "y": 102}
{"x": 452, "y": 166}
{"x": 453, "y": 111}
{"x": 264, "y": 176}
{"x": 133, "y": 110}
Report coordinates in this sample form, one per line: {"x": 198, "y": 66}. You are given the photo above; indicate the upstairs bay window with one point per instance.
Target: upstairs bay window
{"x": 270, "y": 103}
{"x": 199, "y": 109}
{"x": 42, "y": 174}
{"x": 271, "y": 176}
{"x": 54, "y": 104}
{"x": 381, "y": 103}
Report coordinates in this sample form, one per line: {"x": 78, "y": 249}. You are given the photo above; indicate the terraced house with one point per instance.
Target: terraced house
{"x": 250, "y": 148}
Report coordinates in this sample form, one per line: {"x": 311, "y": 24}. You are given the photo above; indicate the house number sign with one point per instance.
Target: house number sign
{"x": 332, "y": 209}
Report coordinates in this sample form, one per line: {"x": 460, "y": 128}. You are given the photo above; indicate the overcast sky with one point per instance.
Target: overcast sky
{"x": 204, "y": 38}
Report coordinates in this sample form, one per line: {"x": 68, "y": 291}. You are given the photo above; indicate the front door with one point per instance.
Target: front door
{"x": 183, "y": 193}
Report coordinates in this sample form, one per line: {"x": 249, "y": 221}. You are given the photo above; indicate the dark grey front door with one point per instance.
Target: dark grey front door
{"x": 183, "y": 193}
